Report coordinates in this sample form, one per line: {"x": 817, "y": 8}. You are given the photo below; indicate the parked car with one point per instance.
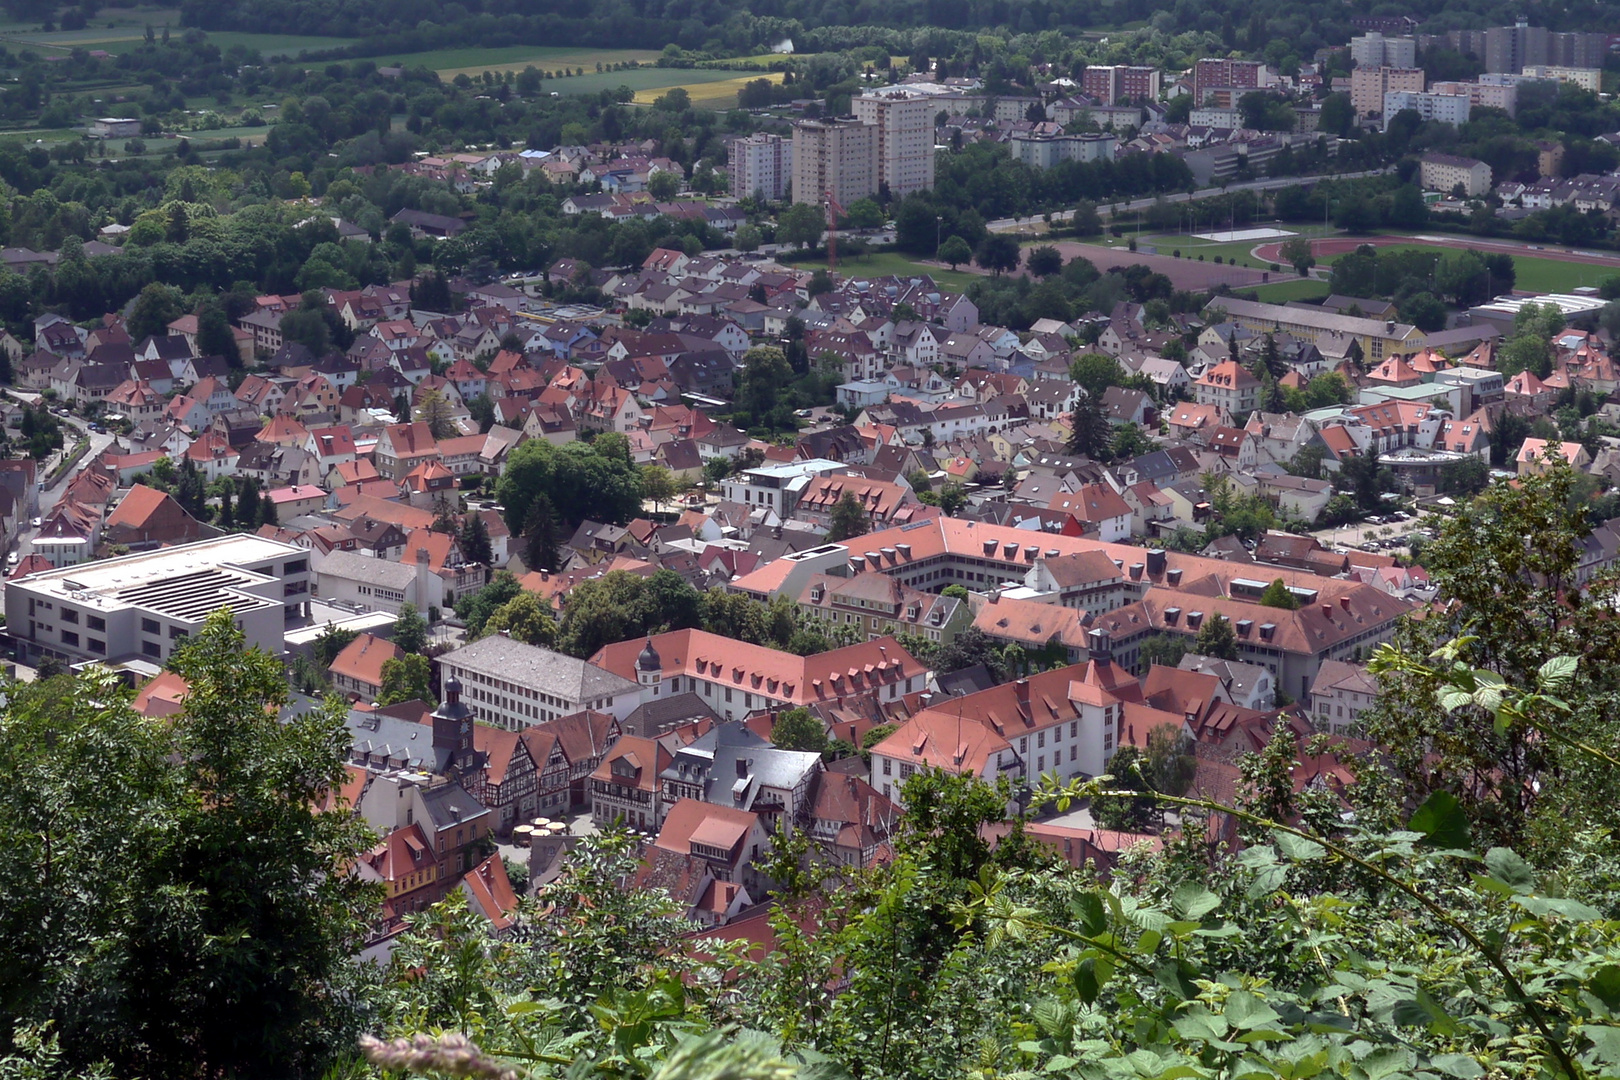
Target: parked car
{"x": 35, "y": 522}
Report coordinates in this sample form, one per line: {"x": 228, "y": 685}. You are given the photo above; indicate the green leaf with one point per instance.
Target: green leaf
{"x": 1199, "y": 1023}
{"x": 1267, "y": 881}
{"x": 1605, "y": 985}
{"x": 1386, "y": 1062}
{"x": 1558, "y": 905}
{"x": 1605, "y": 1041}
{"x": 1093, "y": 917}
{"x": 1441, "y": 821}
{"x": 1510, "y": 869}
{"x": 1557, "y": 671}
{"x": 1459, "y": 1065}
{"x": 1297, "y": 847}
{"x": 1244, "y": 1010}
{"x": 1089, "y": 978}
{"x": 1193, "y": 901}
{"x": 1178, "y": 978}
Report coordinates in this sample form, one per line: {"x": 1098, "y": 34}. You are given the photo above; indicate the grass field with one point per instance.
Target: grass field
{"x": 1534, "y": 274}
{"x": 880, "y": 263}
{"x": 721, "y": 94}
{"x": 1298, "y": 289}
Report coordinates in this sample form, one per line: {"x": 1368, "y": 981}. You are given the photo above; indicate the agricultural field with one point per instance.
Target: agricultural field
{"x": 128, "y": 38}
{"x": 720, "y": 94}
{"x": 473, "y": 61}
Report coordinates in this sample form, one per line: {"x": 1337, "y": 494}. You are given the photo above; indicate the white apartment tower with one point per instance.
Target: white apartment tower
{"x": 761, "y": 165}
{"x": 905, "y": 136}
{"x": 837, "y": 155}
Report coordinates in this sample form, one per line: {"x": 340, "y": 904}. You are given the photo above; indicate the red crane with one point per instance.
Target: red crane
{"x": 834, "y": 212}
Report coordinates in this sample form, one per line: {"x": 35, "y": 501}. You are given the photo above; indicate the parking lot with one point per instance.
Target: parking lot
{"x": 1386, "y": 536}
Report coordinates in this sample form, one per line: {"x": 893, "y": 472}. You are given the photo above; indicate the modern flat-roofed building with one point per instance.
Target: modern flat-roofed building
{"x": 1369, "y": 85}
{"x": 905, "y": 136}
{"x": 115, "y": 127}
{"x": 1450, "y": 109}
{"x": 1110, "y": 83}
{"x": 762, "y": 166}
{"x": 838, "y": 155}
{"x": 1045, "y": 151}
{"x": 142, "y": 606}
{"x": 1375, "y": 50}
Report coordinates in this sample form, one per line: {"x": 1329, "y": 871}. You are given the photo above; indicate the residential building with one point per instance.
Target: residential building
{"x": 1369, "y": 85}
{"x": 514, "y": 685}
{"x": 1044, "y": 150}
{"x": 1373, "y": 50}
{"x": 144, "y": 605}
{"x": 625, "y": 786}
{"x": 1212, "y": 76}
{"x": 357, "y": 670}
{"x": 904, "y": 119}
{"x": 1340, "y": 694}
{"x": 1444, "y": 172}
{"x": 1450, "y": 109}
{"x": 1228, "y": 386}
{"x": 761, "y": 166}
{"x": 431, "y": 832}
{"x": 776, "y": 487}
{"x": 729, "y": 765}
{"x": 1111, "y": 83}
{"x": 837, "y": 156}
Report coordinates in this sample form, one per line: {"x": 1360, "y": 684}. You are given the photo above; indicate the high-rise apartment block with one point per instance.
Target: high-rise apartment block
{"x": 1369, "y": 85}
{"x": 1111, "y": 83}
{"x": 761, "y": 166}
{"x": 837, "y": 155}
{"x": 1236, "y": 75}
{"x": 1376, "y": 50}
{"x": 905, "y": 136}
{"x": 1511, "y": 49}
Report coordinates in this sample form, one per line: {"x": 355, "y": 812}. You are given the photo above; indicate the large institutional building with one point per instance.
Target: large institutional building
{"x": 141, "y": 607}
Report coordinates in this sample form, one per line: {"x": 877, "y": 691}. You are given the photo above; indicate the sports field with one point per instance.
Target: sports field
{"x": 1550, "y": 269}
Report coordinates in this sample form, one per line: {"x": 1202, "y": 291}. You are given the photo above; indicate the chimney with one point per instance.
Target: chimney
{"x": 1344, "y": 601}
{"x": 1022, "y": 686}
{"x": 1327, "y": 609}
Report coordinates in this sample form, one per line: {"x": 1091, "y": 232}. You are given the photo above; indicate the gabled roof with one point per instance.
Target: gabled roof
{"x": 363, "y": 658}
